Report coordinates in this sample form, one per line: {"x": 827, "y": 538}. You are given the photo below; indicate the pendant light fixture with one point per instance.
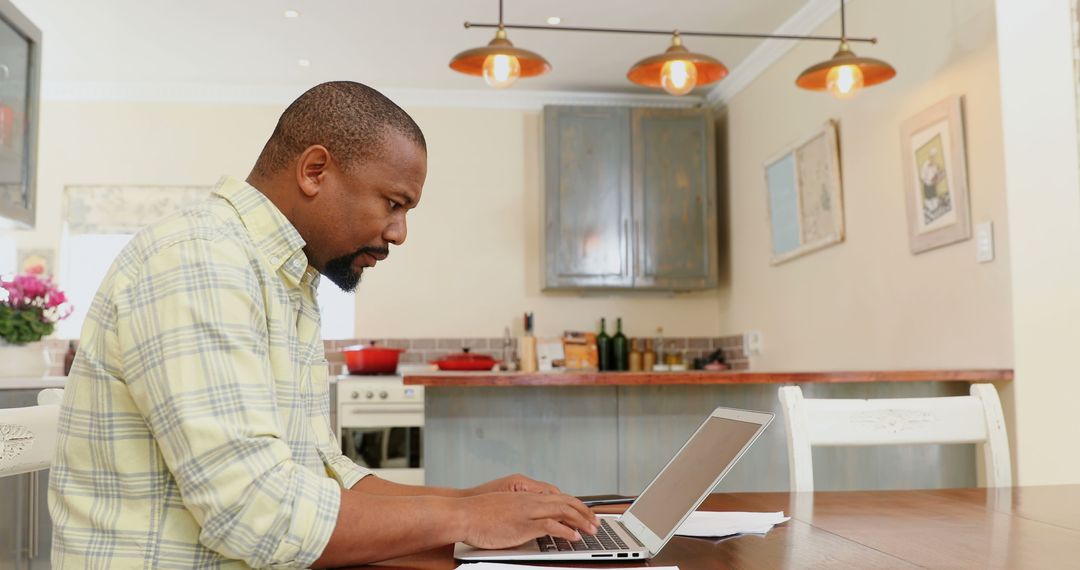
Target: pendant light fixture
{"x": 499, "y": 62}
{"x": 677, "y": 70}
{"x": 845, "y": 74}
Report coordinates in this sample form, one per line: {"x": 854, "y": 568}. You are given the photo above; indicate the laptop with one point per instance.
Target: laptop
{"x": 651, "y": 520}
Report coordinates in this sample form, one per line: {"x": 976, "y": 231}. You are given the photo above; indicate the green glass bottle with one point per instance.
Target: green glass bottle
{"x": 620, "y": 349}
{"x": 603, "y": 348}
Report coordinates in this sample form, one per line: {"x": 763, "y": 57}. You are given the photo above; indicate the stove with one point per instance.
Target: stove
{"x": 380, "y": 426}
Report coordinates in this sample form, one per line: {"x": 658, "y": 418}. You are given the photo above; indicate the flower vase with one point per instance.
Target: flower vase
{"x": 23, "y": 360}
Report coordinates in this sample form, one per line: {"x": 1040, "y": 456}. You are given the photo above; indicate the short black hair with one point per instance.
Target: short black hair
{"x": 350, "y": 119}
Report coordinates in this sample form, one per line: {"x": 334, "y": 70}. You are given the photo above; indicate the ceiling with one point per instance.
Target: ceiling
{"x": 398, "y": 44}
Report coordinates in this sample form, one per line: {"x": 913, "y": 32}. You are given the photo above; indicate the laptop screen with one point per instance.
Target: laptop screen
{"x": 690, "y": 474}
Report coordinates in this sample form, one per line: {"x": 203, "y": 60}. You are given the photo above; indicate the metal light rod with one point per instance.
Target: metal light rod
{"x": 670, "y": 32}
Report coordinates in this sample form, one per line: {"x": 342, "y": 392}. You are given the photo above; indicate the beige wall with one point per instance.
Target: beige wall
{"x": 868, "y": 303}
{"x": 1043, "y": 180}
{"x": 472, "y": 262}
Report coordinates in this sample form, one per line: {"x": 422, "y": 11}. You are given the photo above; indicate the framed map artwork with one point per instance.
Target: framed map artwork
{"x": 935, "y": 176}
{"x": 806, "y": 207}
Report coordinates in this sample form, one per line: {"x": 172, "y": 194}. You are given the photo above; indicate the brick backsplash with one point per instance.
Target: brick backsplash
{"x": 420, "y": 350}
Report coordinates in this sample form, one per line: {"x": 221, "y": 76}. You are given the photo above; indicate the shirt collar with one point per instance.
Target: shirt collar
{"x": 271, "y": 231}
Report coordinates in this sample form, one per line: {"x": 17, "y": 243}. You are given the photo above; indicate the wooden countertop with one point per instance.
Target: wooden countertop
{"x": 1019, "y": 527}
{"x": 467, "y": 379}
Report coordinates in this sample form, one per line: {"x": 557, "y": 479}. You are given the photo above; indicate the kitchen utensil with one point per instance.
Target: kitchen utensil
{"x": 371, "y": 359}
{"x": 465, "y": 360}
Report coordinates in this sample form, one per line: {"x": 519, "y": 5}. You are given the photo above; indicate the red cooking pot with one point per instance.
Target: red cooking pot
{"x": 465, "y": 361}
{"x": 371, "y": 359}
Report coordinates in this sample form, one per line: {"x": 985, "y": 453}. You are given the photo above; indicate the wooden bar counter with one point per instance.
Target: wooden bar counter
{"x": 595, "y": 433}
{"x": 462, "y": 379}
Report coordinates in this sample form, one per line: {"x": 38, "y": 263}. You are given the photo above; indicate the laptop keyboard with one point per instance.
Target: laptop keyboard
{"x": 605, "y": 539}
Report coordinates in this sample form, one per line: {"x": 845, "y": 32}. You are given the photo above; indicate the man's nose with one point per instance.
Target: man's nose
{"x": 396, "y": 231}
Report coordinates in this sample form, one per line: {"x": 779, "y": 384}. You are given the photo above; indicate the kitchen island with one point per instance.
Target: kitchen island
{"x": 594, "y": 433}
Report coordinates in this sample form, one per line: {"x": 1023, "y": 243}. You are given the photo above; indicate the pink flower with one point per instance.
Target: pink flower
{"x": 55, "y": 298}
{"x": 33, "y": 291}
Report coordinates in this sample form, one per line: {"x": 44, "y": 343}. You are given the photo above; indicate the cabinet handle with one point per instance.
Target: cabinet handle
{"x": 32, "y": 524}
{"x": 629, "y": 243}
{"x": 636, "y": 252}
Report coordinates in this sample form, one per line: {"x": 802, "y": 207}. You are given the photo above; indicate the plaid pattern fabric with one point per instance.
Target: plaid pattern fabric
{"x": 195, "y": 429}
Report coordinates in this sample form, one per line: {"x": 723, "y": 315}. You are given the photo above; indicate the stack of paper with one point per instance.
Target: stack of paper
{"x": 707, "y": 524}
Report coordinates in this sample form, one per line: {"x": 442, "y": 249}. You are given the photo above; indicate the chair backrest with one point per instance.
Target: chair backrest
{"x": 28, "y": 435}
{"x": 898, "y": 421}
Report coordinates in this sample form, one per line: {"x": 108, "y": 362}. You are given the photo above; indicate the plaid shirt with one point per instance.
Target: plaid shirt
{"x": 195, "y": 429}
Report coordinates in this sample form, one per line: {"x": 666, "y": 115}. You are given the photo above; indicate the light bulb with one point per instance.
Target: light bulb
{"x": 678, "y": 77}
{"x": 501, "y": 71}
{"x": 844, "y": 81}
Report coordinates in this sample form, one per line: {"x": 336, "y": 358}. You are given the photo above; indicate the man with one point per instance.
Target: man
{"x": 195, "y": 428}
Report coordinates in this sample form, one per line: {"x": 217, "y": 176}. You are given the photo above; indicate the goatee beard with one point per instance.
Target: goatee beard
{"x": 340, "y": 271}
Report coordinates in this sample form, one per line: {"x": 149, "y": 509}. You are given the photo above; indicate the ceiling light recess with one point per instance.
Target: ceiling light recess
{"x": 677, "y": 70}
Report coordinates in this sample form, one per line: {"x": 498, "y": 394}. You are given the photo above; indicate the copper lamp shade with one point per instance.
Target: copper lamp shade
{"x": 647, "y": 71}
{"x": 874, "y": 70}
{"x": 471, "y": 61}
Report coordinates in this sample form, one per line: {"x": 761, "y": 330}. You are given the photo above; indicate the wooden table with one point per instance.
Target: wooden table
{"x": 1027, "y": 527}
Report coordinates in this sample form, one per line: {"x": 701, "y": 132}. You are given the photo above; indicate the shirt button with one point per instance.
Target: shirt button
{"x": 274, "y": 259}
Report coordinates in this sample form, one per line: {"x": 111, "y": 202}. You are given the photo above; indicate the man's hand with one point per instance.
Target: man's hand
{"x": 507, "y": 519}
{"x": 514, "y": 484}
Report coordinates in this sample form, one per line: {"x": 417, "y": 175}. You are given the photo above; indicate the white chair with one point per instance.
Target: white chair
{"x": 902, "y": 421}
{"x": 28, "y": 435}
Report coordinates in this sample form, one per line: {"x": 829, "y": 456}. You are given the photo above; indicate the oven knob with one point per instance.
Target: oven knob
{"x": 369, "y": 395}
{"x": 356, "y": 395}
{"x": 383, "y": 394}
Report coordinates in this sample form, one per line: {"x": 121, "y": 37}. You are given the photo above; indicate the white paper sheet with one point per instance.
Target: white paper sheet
{"x": 499, "y": 566}
{"x": 707, "y": 524}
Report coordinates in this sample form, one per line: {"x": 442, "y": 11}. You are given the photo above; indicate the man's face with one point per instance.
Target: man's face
{"x": 364, "y": 211}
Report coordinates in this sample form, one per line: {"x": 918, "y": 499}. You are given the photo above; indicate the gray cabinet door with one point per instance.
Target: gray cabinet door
{"x": 587, "y": 197}
{"x": 674, "y": 187}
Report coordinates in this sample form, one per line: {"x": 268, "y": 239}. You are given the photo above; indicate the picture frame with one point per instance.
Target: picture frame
{"x": 805, "y": 195}
{"x": 935, "y": 176}
{"x": 20, "y": 86}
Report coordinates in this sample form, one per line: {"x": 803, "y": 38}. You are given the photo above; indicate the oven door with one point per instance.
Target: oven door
{"x": 385, "y": 438}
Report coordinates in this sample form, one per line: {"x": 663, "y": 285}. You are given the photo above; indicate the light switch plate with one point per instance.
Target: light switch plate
{"x": 984, "y": 242}
{"x": 753, "y": 343}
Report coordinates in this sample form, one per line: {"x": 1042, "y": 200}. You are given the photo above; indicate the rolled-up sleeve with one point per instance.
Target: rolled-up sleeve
{"x": 198, "y": 368}
{"x": 343, "y": 469}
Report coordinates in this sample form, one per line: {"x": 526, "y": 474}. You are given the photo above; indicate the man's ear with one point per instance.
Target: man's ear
{"x": 311, "y": 169}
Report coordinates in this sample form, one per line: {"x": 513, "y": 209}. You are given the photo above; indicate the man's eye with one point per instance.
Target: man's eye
{"x": 394, "y": 205}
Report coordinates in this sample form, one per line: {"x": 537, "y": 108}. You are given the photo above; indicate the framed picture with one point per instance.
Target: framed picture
{"x": 20, "y": 73}
{"x": 39, "y": 260}
{"x": 935, "y": 176}
{"x": 806, "y": 207}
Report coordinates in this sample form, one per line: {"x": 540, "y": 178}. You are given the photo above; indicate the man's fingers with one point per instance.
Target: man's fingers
{"x": 555, "y": 528}
{"x": 548, "y": 489}
{"x": 525, "y": 484}
{"x": 572, "y": 518}
{"x": 584, "y": 510}
{"x": 561, "y": 509}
